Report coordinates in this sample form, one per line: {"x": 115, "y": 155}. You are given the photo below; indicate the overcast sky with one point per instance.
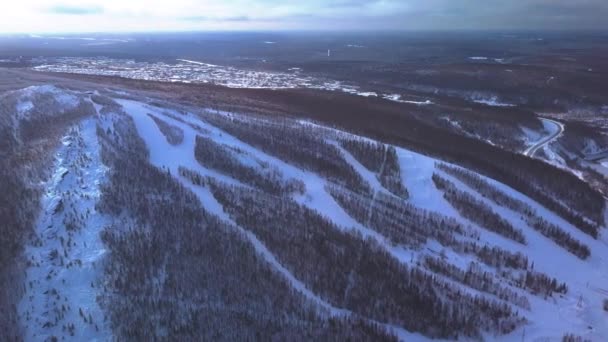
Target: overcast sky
{"x": 39, "y": 16}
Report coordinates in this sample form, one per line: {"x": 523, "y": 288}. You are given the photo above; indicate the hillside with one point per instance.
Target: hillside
{"x": 164, "y": 219}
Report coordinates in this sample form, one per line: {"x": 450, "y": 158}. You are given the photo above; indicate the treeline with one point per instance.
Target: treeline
{"x": 477, "y": 211}
{"x": 173, "y": 134}
{"x": 390, "y": 177}
{"x": 295, "y": 144}
{"x": 396, "y": 219}
{"x": 380, "y": 159}
{"x": 574, "y": 338}
{"x": 358, "y": 274}
{"x": 265, "y": 177}
{"x": 474, "y": 277}
{"x": 175, "y": 272}
{"x": 405, "y": 224}
{"x": 494, "y": 256}
{"x": 369, "y": 154}
{"x": 541, "y": 284}
{"x": 550, "y": 230}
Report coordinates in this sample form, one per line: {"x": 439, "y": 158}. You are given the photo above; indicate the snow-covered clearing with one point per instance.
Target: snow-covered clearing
{"x": 65, "y": 253}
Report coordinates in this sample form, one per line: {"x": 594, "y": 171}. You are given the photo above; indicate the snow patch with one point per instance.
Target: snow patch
{"x": 492, "y": 101}
{"x": 397, "y": 98}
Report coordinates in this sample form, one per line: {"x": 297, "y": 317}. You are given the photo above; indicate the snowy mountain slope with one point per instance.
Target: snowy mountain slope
{"x": 362, "y": 234}
{"x": 550, "y": 318}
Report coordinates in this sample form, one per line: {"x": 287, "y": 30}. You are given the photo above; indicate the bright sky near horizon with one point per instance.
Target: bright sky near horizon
{"x": 46, "y": 16}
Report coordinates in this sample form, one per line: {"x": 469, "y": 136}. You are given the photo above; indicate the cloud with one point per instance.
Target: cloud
{"x": 242, "y": 18}
{"x": 175, "y": 15}
{"x": 75, "y": 10}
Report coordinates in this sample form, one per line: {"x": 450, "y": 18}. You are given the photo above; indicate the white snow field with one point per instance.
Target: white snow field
{"x": 66, "y": 251}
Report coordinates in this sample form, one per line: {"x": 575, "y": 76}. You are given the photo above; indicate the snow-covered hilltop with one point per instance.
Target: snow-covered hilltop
{"x": 162, "y": 221}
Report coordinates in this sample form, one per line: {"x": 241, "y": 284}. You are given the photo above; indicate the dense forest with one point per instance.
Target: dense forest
{"x": 261, "y": 176}
{"x": 26, "y": 149}
{"x": 477, "y": 211}
{"x": 173, "y": 134}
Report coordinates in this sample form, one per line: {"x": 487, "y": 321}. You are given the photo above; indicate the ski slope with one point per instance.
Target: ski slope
{"x": 578, "y": 312}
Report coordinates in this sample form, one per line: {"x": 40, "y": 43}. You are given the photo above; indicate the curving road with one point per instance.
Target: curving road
{"x": 531, "y": 151}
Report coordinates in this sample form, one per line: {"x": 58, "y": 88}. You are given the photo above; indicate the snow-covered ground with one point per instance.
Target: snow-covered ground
{"x": 397, "y": 98}
{"x": 66, "y": 249}
{"x": 578, "y": 312}
{"x": 550, "y": 126}
{"x": 65, "y": 253}
{"x": 531, "y": 137}
{"x": 493, "y": 102}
